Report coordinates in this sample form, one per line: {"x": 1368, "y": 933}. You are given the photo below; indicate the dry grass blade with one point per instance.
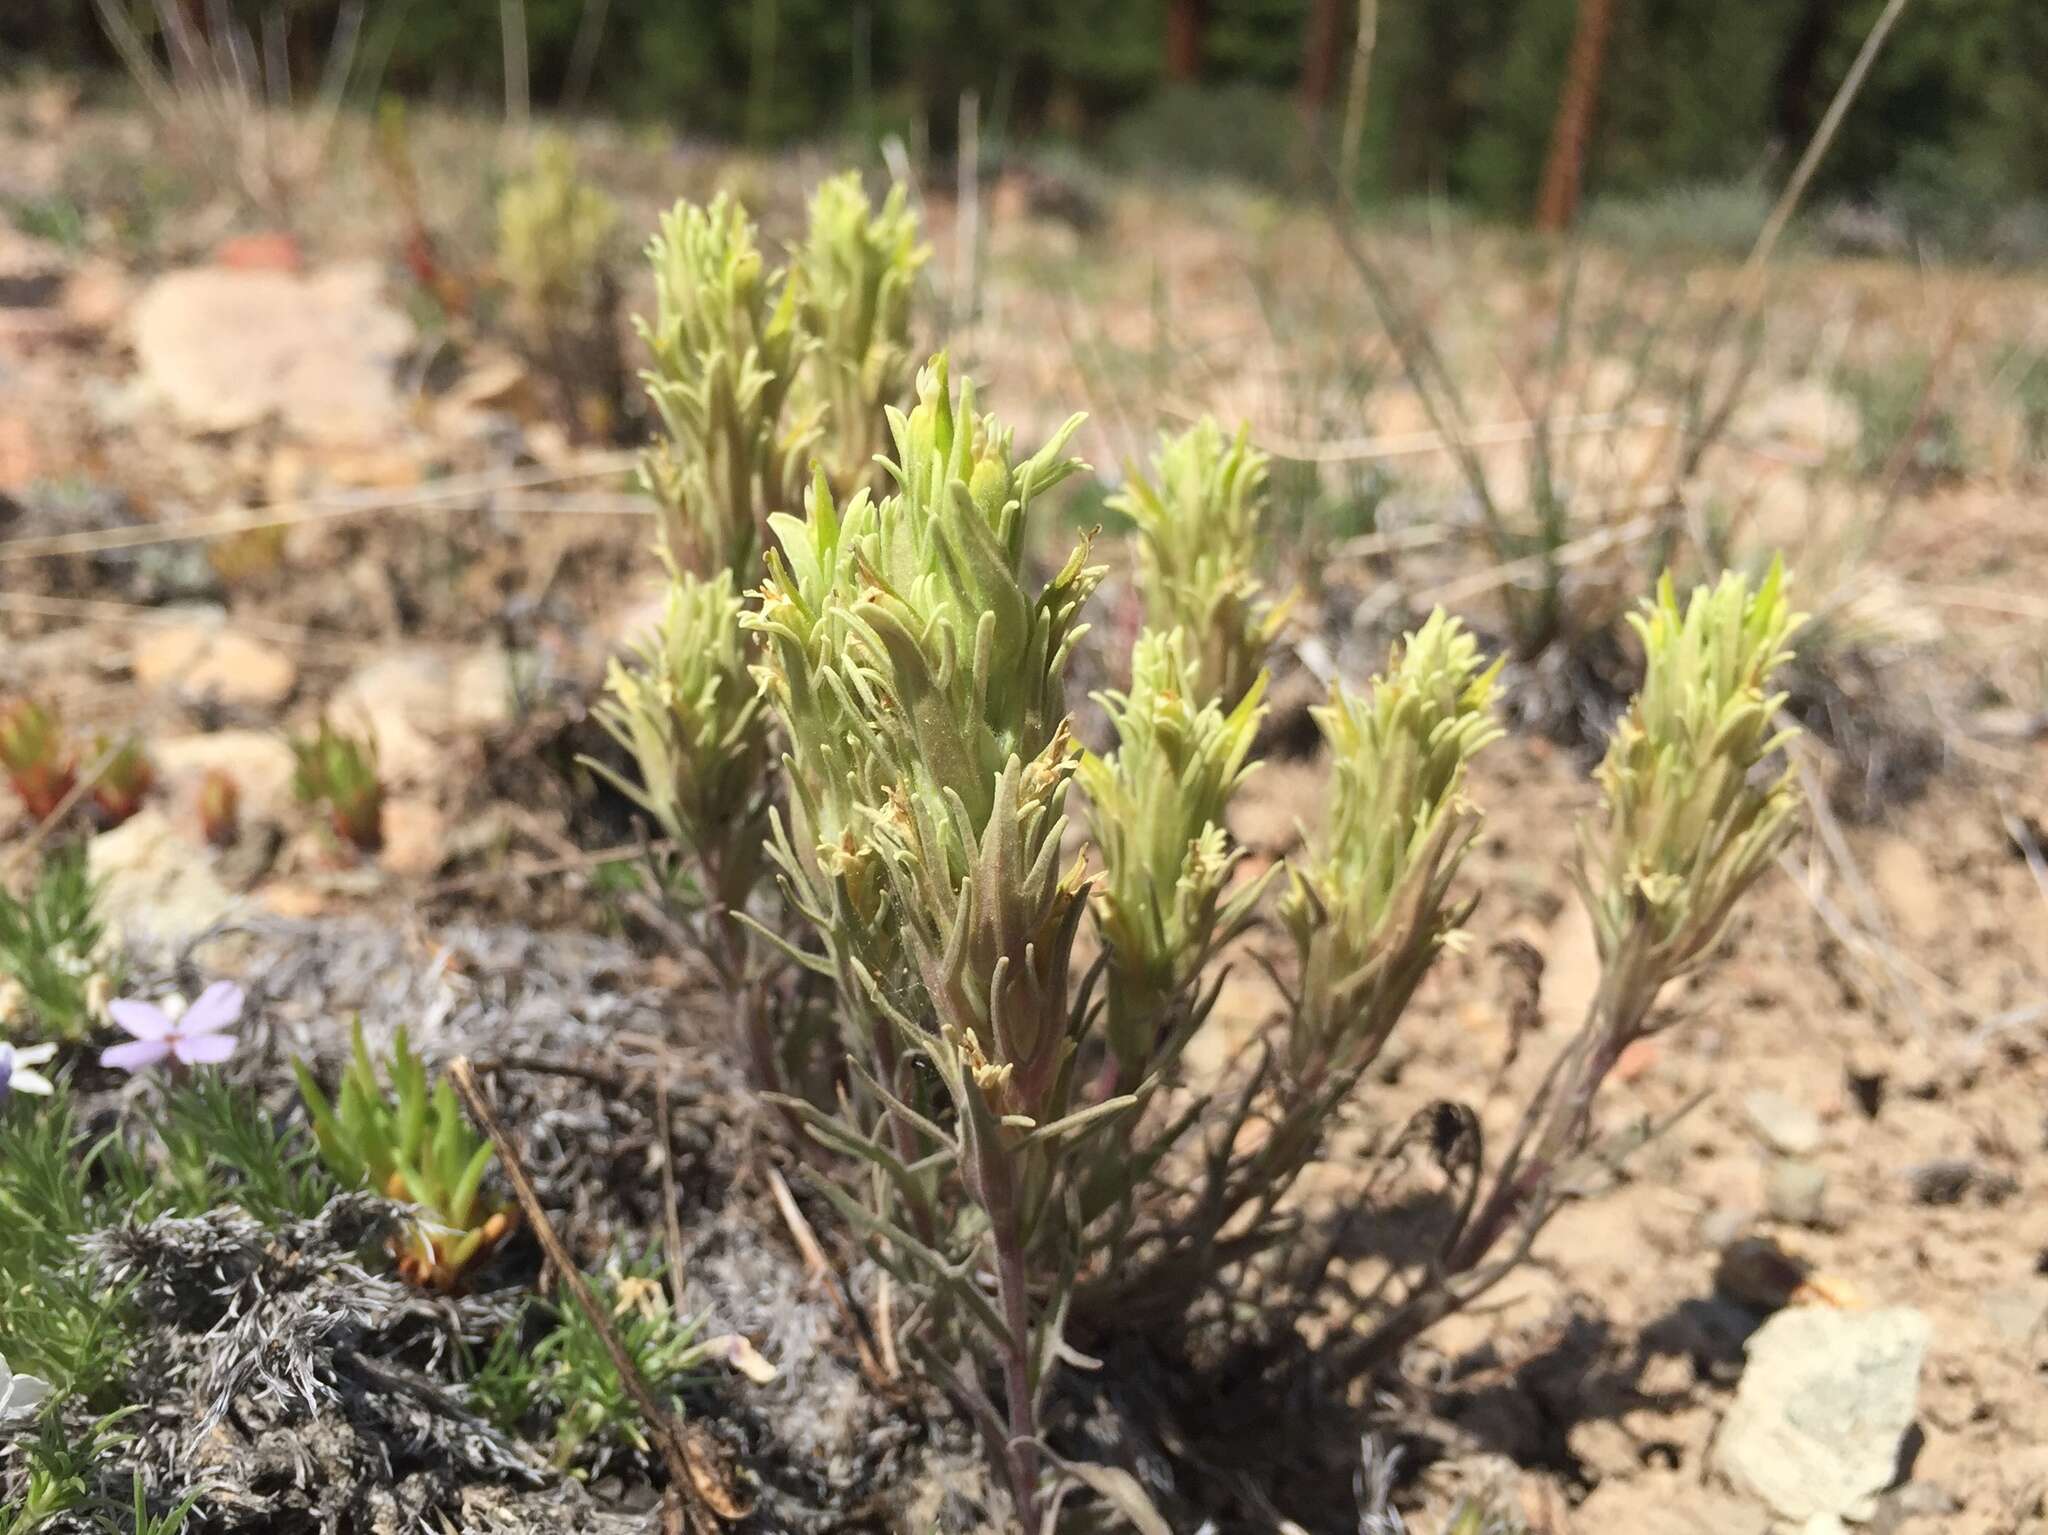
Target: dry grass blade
{"x": 700, "y": 1496}
{"x": 78, "y": 791}
{"x": 821, "y": 1269}
{"x": 439, "y": 496}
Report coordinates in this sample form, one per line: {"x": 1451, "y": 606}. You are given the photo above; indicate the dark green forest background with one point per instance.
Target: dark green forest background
{"x": 1953, "y": 124}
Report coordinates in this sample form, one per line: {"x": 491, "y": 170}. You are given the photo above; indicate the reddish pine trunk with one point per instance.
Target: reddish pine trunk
{"x": 1557, "y": 203}
{"x": 1320, "y": 41}
{"x": 1184, "y": 40}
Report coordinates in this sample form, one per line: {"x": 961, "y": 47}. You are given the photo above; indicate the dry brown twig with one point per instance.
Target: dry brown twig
{"x": 700, "y": 1497}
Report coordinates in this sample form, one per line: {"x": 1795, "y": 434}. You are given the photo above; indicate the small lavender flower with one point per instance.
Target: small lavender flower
{"x": 20, "y": 1395}
{"x": 198, "y": 1036}
{"x": 16, "y": 1069}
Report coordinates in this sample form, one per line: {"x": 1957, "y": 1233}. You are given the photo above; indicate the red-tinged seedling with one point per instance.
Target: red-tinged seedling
{"x": 339, "y": 770}
{"x": 125, "y": 777}
{"x": 220, "y": 804}
{"x": 412, "y": 1143}
{"x": 35, "y": 755}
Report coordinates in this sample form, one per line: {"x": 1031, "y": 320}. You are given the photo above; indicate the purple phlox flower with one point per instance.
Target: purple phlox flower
{"x": 17, "y": 1069}
{"x": 196, "y": 1037}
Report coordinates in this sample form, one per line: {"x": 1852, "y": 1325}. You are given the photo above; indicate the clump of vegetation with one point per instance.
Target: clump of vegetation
{"x": 50, "y": 941}
{"x": 1016, "y": 1144}
{"x": 1903, "y": 428}
{"x": 570, "y": 1379}
{"x": 1199, "y": 518}
{"x": 338, "y": 769}
{"x": 36, "y": 757}
{"x": 411, "y": 1143}
{"x": 556, "y": 238}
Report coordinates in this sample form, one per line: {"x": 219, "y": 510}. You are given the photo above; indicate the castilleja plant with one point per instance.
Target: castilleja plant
{"x": 1199, "y": 516}
{"x": 556, "y": 237}
{"x": 918, "y": 678}
{"x": 1368, "y": 909}
{"x": 1166, "y": 902}
{"x": 726, "y": 347}
{"x": 855, "y": 274}
{"x": 36, "y": 757}
{"x": 1693, "y": 813}
{"x": 684, "y": 705}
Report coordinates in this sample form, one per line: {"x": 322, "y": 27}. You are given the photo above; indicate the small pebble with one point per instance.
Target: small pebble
{"x": 1784, "y": 1126}
{"x": 1796, "y": 1192}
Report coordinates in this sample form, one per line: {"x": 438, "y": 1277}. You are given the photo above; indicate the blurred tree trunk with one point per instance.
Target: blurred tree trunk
{"x": 1319, "y": 56}
{"x": 1184, "y": 23}
{"x": 1799, "y": 71}
{"x": 1557, "y": 202}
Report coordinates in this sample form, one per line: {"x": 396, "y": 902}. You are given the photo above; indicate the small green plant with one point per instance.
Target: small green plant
{"x": 338, "y": 769}
{"x": 411, "y": 1143}
{"x": 2024, "y": 372}
{"x": 1199, "y": 518}
{"x": 220, "y": 804}
{"x": 62, "y": 1470}
{"x": 142, "y": 1521}
{"x": 49, "y": 942}
{"x": 856, "y": 273}
{"x": 58, "y": 1320}
{"x": 556, "y": 238}
{"x": 726, "y": 348}
{"x": 1167, "y": 902}
{"x": 36, "y": 757}
{"x": 222, "y": 1147}
{"x": 685, "y": 707}
{"x": 575, "y": 1379}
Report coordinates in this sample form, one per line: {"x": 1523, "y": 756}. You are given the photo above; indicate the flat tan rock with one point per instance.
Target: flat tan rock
{"x": 206, "y": 663}
{"x": 228, "y": 349}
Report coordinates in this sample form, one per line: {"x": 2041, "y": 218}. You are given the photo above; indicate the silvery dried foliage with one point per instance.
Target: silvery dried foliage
{"x": 1199, "y": 515}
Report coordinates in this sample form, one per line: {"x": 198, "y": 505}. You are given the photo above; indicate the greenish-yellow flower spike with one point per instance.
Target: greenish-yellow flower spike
{"x": 856, "y": 275}
{"x": 1693, "y": 814}
{"x": 726, "y": 349}
{"x": 686, "y": 708}
{"x": 1157, "y": 806}
{"x": 1198, "y": 517}
{"x": 1368, "y": 909}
